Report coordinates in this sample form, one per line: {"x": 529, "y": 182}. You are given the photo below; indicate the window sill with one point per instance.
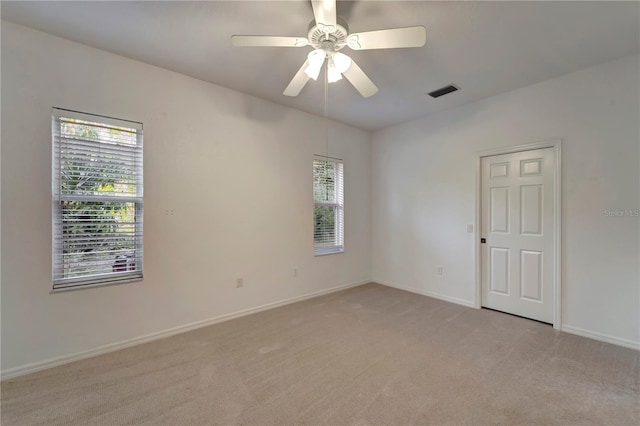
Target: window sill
{"x": 327, "y": 252}
{"x": 93, "y": 285}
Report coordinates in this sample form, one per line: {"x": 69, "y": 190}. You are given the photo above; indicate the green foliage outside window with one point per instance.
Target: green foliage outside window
{"x": 327, "y": 194}
{"x": 94, "y": 232}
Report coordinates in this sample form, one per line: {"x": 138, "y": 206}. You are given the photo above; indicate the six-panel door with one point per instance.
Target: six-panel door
{"x": 517, "y": 221}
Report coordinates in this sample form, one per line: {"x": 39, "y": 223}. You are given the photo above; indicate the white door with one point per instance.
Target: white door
{"x": 517, "y": 214}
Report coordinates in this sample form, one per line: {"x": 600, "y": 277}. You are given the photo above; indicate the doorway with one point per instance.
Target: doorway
{"x": 519, "y": 225}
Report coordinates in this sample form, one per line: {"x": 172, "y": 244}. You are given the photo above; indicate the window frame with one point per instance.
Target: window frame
{"x": 337, "y": 205}
{"x": 132, "y": 271}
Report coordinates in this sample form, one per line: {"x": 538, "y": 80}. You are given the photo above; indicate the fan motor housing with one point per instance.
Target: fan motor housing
{"x": 328, "y": 41}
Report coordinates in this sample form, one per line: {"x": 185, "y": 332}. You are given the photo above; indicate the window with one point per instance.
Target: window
{"x": 97, "y": 199}
{"x": 328, "y": 195}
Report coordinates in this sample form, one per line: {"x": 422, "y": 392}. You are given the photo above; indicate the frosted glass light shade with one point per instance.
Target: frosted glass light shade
{"x": 342, "y": 62}
{"x": 315, "y": 59}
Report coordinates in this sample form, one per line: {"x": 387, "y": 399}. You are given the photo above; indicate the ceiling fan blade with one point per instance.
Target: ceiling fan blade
{"x": 325, "y": 13}
{"x": 298, "y": 81}
{"x": 268, "y": 41}
{"x": 360, "y": 80}
{"x": 388, "y": 39}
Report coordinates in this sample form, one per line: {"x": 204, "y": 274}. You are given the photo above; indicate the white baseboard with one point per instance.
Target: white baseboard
{"x": 429, "y": 293}
{"x": 65, "y": 359}
{"x": 600, "y": 336}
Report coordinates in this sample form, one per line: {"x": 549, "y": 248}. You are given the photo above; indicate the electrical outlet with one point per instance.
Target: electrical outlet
{"x": 470, "y": 228}
{"x": 440, "y": 270}
{"x": 295, "y": 272}
{"x": 239, "y": 282}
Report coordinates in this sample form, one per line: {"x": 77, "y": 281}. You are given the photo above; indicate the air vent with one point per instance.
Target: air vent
{"x": 443, "y": 91}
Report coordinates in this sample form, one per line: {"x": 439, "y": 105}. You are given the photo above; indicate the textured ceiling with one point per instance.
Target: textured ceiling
{"x": 485, "y": 48}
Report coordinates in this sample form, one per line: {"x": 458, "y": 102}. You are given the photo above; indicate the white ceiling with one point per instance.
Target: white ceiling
{"x": 485, "y": 48}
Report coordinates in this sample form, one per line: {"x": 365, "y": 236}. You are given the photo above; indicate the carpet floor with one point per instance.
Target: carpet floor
{"x": 367, "y": 355}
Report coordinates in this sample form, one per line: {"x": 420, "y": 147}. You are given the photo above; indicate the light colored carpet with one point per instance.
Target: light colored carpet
{"x": 368, "y": 355}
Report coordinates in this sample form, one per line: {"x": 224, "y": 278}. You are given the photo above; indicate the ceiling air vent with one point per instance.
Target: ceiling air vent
{"x": 443, "y": 91}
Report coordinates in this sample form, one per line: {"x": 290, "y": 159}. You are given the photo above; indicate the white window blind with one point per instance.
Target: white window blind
{"x": 97, "y": 199}
{"x": 328, "y": 195}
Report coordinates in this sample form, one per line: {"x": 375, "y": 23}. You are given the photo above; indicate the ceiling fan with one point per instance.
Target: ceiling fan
{"x": 328, "y": 34}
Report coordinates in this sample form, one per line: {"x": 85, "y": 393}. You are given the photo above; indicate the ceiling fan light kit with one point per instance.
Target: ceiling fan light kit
{"x": 327, "y": 35}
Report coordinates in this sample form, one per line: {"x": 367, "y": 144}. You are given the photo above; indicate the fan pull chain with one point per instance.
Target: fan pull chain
{"x": 326, "y": 119}
{"x": 326, "y": 104}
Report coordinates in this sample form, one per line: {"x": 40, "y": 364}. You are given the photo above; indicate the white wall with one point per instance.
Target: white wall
{"x": 236, "y": 171}
{"x": 424, "y": 193}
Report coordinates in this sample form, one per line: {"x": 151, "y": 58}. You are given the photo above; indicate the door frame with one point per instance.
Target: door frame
{"x": 556, "y": 144}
